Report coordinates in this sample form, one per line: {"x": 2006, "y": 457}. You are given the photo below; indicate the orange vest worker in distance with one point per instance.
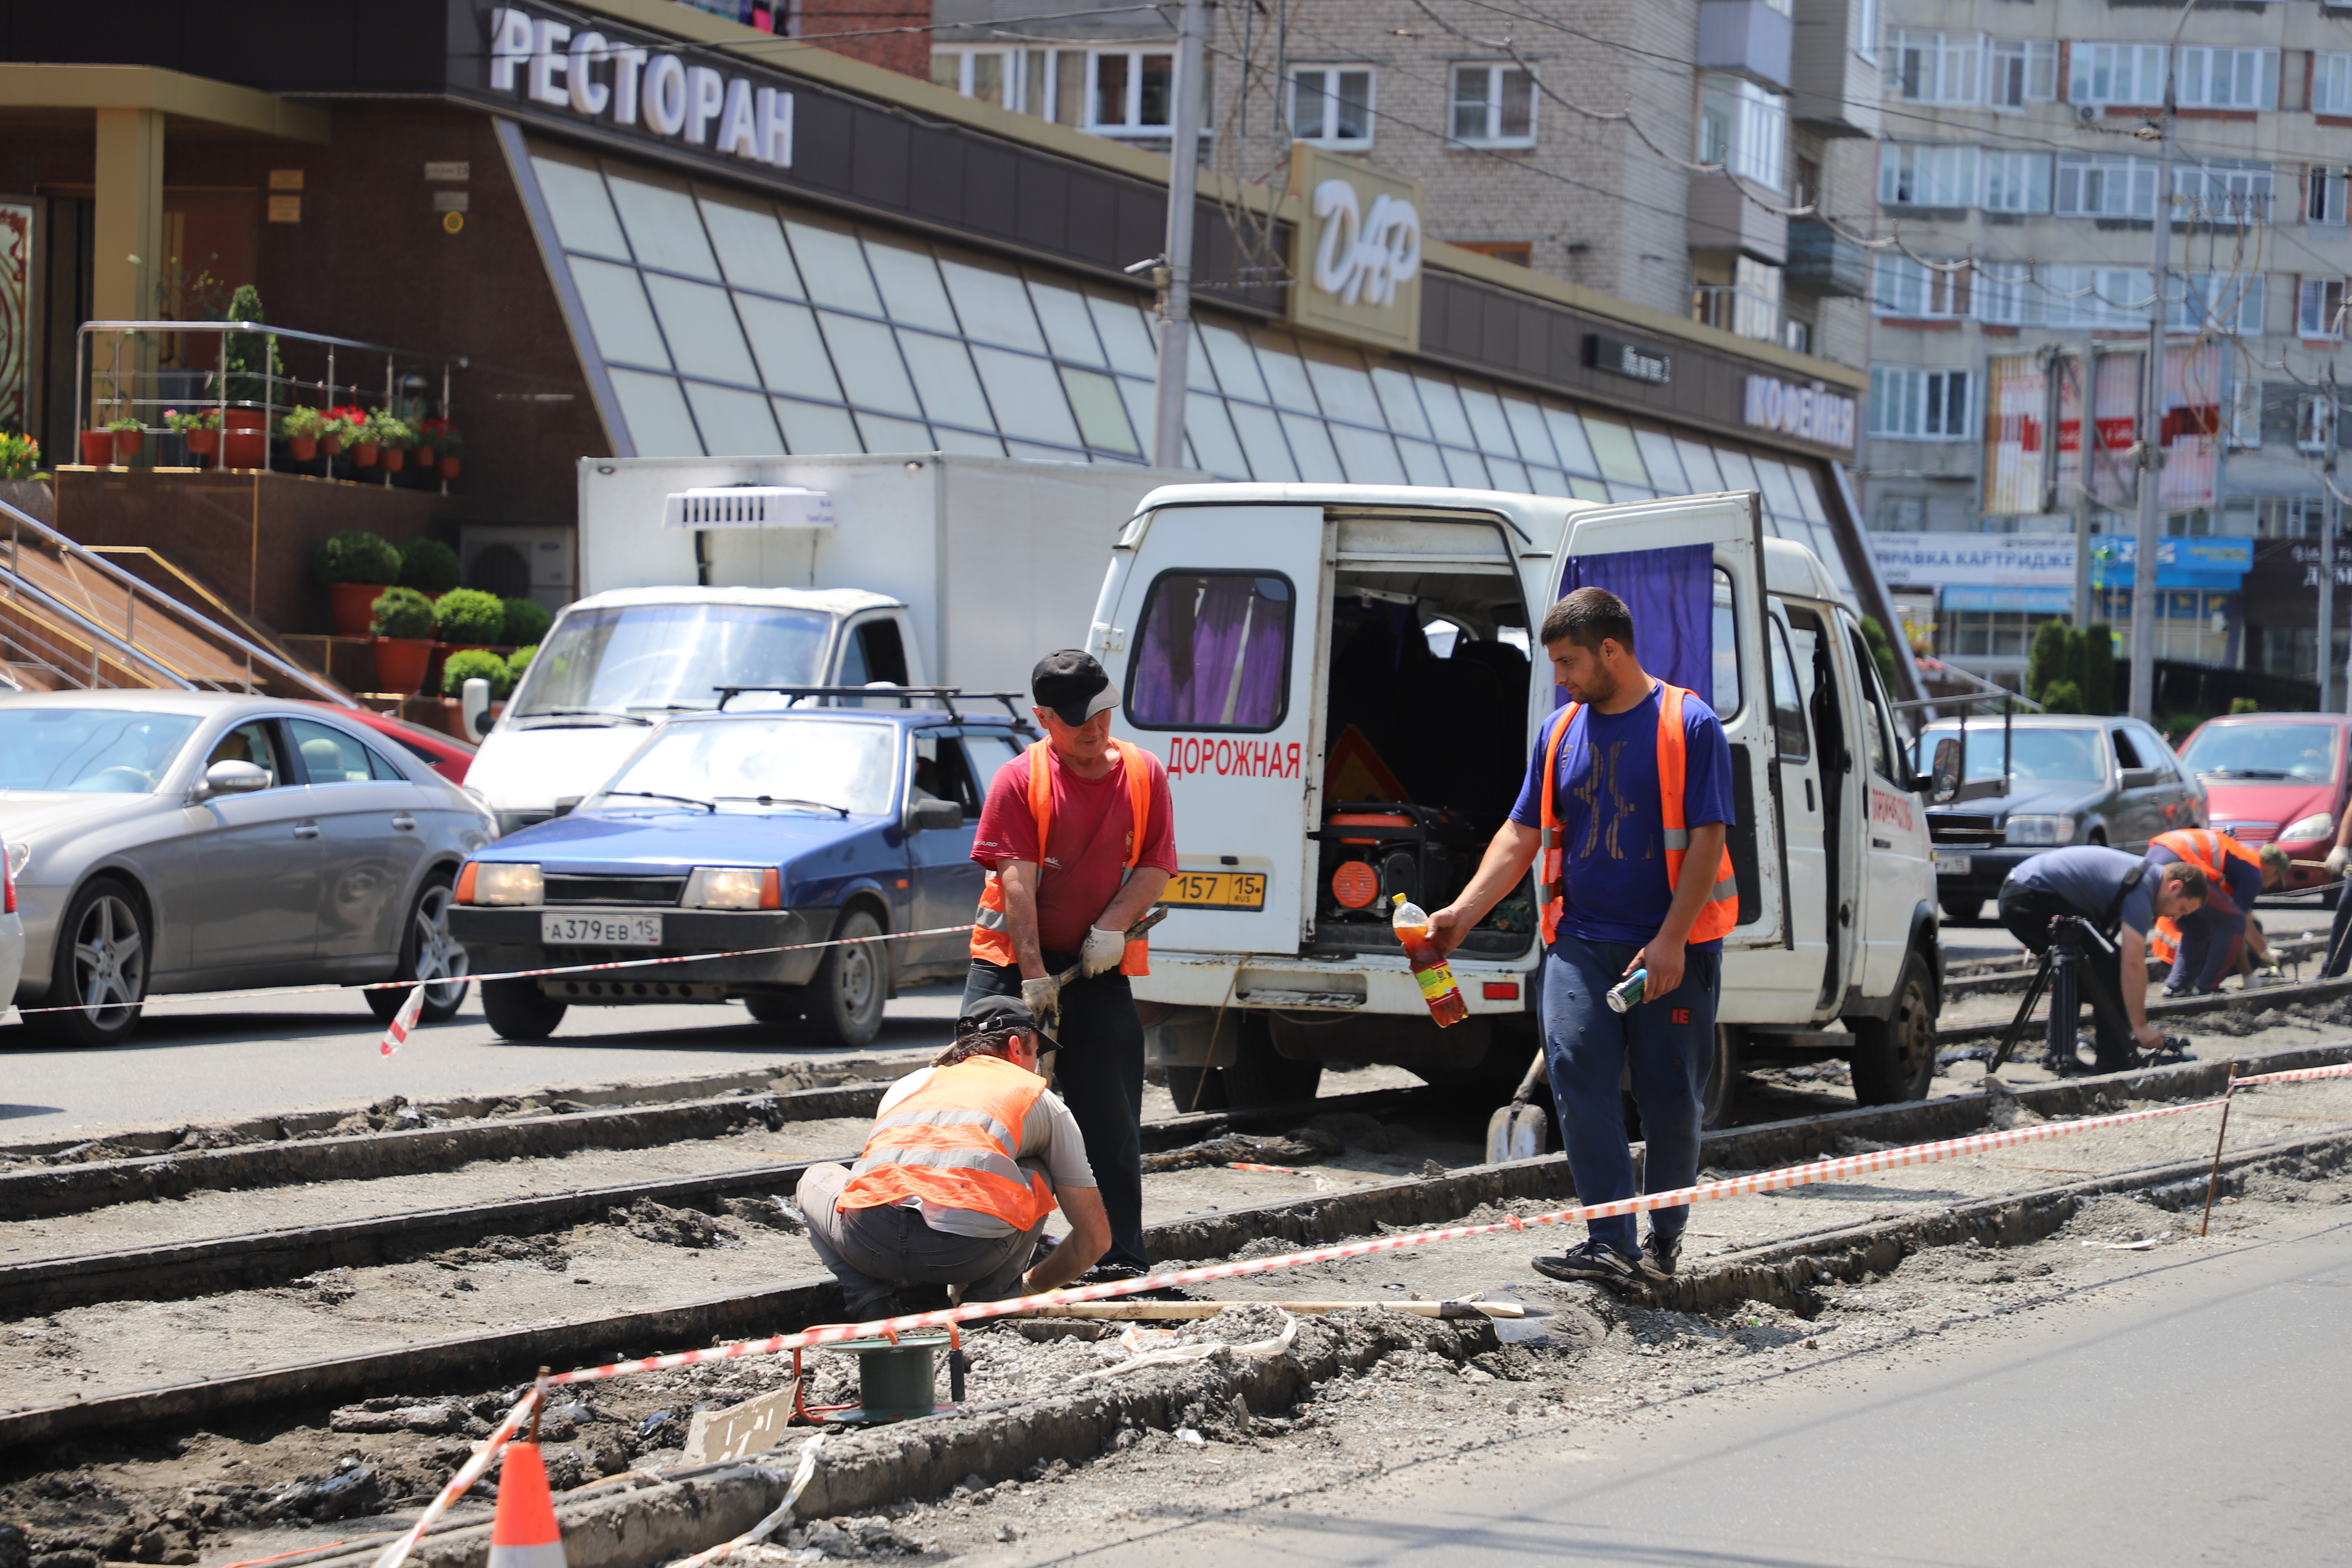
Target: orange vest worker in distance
{"x": 2204, "y": 945}
{"x": 1077, "y": 836}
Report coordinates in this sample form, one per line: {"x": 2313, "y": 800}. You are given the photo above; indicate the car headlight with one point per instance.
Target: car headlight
{"x": 491, "y": 882}
{"x": 2320, "y": 826}
{"x": 2041, "y": 830}
{"x": 734, "y": 887}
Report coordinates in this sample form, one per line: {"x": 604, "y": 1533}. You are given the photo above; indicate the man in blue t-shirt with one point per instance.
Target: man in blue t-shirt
{"x": 1621, "y": 911}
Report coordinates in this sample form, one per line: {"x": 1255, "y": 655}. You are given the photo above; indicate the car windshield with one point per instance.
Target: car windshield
{"x": 796, "y": 765}
{"x": 90, "y": 750}
{"x": 2036, "y": 755}
{"x": 2304, "y": 752}
{"x": 659, "y": 657}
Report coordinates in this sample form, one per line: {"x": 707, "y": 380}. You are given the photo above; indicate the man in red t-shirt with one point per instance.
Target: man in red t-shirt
{"x": 1070, "y": 900}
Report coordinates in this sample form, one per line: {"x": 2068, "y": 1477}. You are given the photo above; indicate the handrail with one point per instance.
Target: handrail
{"x": 235, "y": 640}
{"x": 460, "y": 361}
{"x": 126, "y": 652}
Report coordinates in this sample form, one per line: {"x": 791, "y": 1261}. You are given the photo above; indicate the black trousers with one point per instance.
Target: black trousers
{"x": 1098, "y": 1073}
{"x": 2027, "y": 912}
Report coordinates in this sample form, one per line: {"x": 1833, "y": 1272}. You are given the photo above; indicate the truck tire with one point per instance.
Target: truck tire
{"x": 1894, "y": 1057}
{"x": 774, "y": 1007}
{"x": 1260, "y": 1075}
{"x": 1962, "y": 911}
{"x": 519, "y": 1010}
{"x": 1722, "y": 1075}
{"x": 842, "y": 1003}
{"x": 1196, "y": 1088}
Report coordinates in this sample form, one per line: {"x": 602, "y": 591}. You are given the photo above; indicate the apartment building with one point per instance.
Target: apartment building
{"x": 2019, "y": 174}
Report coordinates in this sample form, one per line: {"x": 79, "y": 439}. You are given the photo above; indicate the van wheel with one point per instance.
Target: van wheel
{"x": 1962, "y": 911}
{"x": 1260, "y": 1075}
{"x": 773, "y": 1007}
{"x": 1196, "y": 1088}
{"x": 1895, "y": 1057}
{"x": 99, "y": 971}
{"x": 843, "y": 1005}
{"x": 1722, "y": 1074}
{"x": 519, "y": 1010}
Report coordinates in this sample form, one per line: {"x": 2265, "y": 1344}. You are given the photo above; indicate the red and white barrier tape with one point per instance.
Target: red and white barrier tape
{"x": 462, "y": 1482}
{"x": 512, "y": 974}
{"x": 2299, "y": 1075}
{"x": 395, "y": 1034}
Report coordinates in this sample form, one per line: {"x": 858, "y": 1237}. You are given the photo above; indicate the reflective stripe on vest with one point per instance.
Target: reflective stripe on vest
{"x": 2206, "y": 850}
{"x": 1721, "y": 910}
{"x": 956, "y": 1141}
{"x": 989, "y": 942}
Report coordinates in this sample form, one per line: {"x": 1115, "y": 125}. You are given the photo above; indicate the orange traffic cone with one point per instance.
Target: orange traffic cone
{"x": 523, "y": 1533}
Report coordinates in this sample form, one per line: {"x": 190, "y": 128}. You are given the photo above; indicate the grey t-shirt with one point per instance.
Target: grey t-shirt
{"x": 1050, "y": 1141}
{"x": 2085, "y": 878}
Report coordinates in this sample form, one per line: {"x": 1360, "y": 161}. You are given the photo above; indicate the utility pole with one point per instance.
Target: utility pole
{"x": 2151, "y": 422}
{"x": 2085, "y": 432}
{"x": 2330, "y": 517}
{"x": 1176, "y": 296}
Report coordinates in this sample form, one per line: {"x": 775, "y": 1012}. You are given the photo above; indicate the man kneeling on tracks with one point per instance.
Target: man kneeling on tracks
{"x": 2221, "y": 938}
{"x": 966, "y": 1160}
{"x": 2121, "y": 895}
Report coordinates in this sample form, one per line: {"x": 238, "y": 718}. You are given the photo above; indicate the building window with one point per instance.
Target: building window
{"x": 1935, "y": 68}
{"x": 1332, "y": 106}
{"x": 1863, "y": 17}
{"x": 1796, "y": 336}
{"x": 2220, "y": 192}
{"x": 2331, "y": 84}
{"x": 1494, "y": 106}
{"x": 1909, "y": 404}
{"x": 2314, "y": 422}
{"x": 2023, "y": 71}
{"x": 992, "y": 76}
{"x": 1902, "y": 514}
{"x": 2323, "y": 195}
{"x": 1744, "y": 128}
{"x": 1518, "y": 252}
{"x": 2116, "y": 73}
{"x": 2093, "y": 297}
{"x": 1917, "y": 177}
{"x": 1130, "y": 92}
{"x": 2243, "y": 429}
{"x": 2320, "y": 308}
{"x": 2016, "y": 182}
{"x": 2104, "y": 185}
{"x": 2227, "y": 79}
{"x": 2217, "y": 302}
{"x": 2006, "y": 295}
{"x": 1915, "y": 290}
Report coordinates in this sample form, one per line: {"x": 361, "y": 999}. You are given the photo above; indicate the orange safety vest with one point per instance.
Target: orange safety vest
{"x": 989, "y": 939}
{"x": 2208, "y": 851}
{"x": 1721, "y": 910}
{"x": 956, "y": 1141}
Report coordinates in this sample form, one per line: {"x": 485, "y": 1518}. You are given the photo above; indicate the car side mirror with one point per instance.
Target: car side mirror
{"x": 945, "y": 814}
{"x": 2141, "y": 778}
{"x": 232, "y": 778}
{"x": 1944, "y": 779}
{"x": 474, "y": 707}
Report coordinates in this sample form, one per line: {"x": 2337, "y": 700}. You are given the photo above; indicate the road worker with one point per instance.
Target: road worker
{"x": 965, "y": 1162}
{"x": 2121, "y": 895}
{"x": 1078, "y": 839}
{"x": 2206, "y": 943}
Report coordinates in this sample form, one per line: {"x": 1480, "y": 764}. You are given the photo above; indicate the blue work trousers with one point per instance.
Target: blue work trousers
{"x": 1668, "y": 1044}
{"x": 2210, "y": 941}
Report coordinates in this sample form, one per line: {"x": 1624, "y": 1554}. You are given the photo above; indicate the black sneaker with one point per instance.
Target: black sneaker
{"x": 1659, "y": 1256}
{"x": 1596, "y": 1262}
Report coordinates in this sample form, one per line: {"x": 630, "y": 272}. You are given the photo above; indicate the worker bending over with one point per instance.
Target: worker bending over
{"x": 2121, "y": 895}
{"x": 2206, "y": 943}
{"x": 966, "y": 1160}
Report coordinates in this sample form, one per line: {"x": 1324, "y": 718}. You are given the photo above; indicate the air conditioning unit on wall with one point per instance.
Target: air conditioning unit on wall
{"x": 533, "y": 561}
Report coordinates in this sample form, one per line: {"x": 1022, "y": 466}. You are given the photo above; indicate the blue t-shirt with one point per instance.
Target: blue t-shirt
{"x": 1612, "y": 856}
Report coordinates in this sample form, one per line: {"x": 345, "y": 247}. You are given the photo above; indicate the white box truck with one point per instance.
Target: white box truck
{"x": 1338, "y": 679}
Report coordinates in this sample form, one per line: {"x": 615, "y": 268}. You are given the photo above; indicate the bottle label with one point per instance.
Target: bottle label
{"x": 1435, "y": 981}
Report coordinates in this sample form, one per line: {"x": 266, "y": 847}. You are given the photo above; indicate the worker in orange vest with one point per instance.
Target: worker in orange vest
{"x": 965, "y": 1162}
{"x": 1627, "y": 797}
{"x": 2206, "y": 943}
{"x": 1078, "y": 839}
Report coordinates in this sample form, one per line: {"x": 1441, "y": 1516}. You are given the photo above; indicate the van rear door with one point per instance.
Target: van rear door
{"x": 1212, "y": 642}
{"x": 1741, "y": 693}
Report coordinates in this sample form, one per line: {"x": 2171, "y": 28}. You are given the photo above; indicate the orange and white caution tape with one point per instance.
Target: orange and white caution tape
{"x": 462, "y": 1482}
{"x": 1263, "y": 1170}
{"x": 395, "y": 1034}
{"x": 2299, "y": 1075}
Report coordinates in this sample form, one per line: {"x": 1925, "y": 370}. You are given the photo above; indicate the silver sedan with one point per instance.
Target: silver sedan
{"x": 167, "y": 841}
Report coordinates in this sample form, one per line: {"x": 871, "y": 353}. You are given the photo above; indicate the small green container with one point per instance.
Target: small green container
{"x": 895, "y": 1381}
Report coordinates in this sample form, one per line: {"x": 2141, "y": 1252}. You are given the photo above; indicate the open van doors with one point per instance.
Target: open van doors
{"x": 1739, "y": 691}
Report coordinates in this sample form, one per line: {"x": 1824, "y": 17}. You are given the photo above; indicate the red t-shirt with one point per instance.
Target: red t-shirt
{"x": 1085, "y": 854}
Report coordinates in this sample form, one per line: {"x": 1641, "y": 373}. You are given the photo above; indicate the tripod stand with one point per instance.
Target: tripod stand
{"x": 2065, "y": 964}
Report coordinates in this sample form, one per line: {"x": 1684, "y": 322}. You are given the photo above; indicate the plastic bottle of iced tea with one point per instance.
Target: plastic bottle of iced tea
{"x": 1430, "y": 970}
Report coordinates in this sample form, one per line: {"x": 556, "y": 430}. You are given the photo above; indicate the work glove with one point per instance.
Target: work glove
{"x": 2337, "y": 858}
{"x": 1102, "y": 953}
{"x": 1041, "y": 997}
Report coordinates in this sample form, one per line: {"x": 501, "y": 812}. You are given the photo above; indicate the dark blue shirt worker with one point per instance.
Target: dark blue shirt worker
{"x": 1627, "y": 799}
{"x": 2121, "y": 895}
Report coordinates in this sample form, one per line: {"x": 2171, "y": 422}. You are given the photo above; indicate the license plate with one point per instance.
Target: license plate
{"x": 1215, "y": 890}
{"x": 600, "y": 931}
{"x": 1951, "y": 865}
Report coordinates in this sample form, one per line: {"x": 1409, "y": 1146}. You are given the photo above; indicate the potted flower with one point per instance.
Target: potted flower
{"x": 392, "y": 436}
{"x": 200, "y": 430}
{"x": 428, "y": 566}
{"x": 128, "y": 436}
{"x": 301, "y": 427}
{"x": 449, "y": 442}
{"x": 357, "y": 566}
{"x": 465, "y": 665}
{"x": 339, "y": 425}
{"x": 402, "y": 620}
{"x": 20, "y": 457}
{"x": 97, "y": 447}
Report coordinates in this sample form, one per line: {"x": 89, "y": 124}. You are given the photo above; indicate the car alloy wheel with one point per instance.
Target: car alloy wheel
{"x": 110, "y": 961}
{"x": 429, "y": 956}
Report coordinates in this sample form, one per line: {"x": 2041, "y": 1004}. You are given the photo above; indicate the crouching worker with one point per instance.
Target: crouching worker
{"x": 2221, "y": 938}
{"x": 966, "y": 1160}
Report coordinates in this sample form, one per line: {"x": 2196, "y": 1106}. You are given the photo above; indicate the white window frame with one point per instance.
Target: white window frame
{"x": 2323, "y": 194}
{"x": 2220, "y": 192}
{"x": 1133, "y": 124}
{"x": 2331, "y": 84}
{"x": 1011, "y": 63}
{"x": 2230, "y": 302}
{"x": 1945, "y": 67}
{"x": 2020, "y": 71}
{"x": 2006, "y": 295}
{"x": 1927, "y": 174}
{"x": 2111, "y": 172}
{"x": 2320, "y": 308}
{"x": 2314, "y": 422}
{"x": 1902, "y": 398}
{"x": 2208, "y": 78}
{"x": 1745, "y": 128}
{"x": 1863, "y": 19}
{"x": 2118, "y": 73}
{"x": 2094, "y": 298}
{"x": 1910, "y": 290}
{"x": 2014, "y": 181}
{"x": 1497, "y": 72}
{"x": 1329, "y": 94}
{"x": 2242, "y": 429}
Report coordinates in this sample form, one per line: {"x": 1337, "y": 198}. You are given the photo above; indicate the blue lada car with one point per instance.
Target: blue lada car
{"x": 727, "y": 831}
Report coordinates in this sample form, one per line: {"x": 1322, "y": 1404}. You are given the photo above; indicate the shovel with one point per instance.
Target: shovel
{"x": 1520, "y": 1131}
{"x": 1068, "y": 976}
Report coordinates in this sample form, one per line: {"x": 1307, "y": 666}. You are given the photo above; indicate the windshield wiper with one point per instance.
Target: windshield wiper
{"x": 2244, "y": 773}
{"x": 607, "y": 714}
{"x": 658, "y": 795}
{"x": 787, "y": 800}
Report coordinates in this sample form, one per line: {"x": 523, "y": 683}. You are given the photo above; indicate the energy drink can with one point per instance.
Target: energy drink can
{"x": 1627, "y": 993}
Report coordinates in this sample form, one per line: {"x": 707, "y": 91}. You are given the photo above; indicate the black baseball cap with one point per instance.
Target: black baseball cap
{"x": 1072, "y": 685}
{"x": 996, "y": 1016}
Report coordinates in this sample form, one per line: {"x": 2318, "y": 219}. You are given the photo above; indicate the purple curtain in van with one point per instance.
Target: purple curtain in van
{"x": 1672, "y": 594}
{"x": 1197, "y": 628}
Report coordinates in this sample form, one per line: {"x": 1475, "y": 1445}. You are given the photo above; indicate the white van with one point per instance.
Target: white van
{"x": 1338, "y": 679}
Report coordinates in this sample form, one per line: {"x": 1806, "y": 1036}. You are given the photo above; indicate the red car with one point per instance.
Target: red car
{"x": 444, "y": 755}
{"x": 2274, "y": 778}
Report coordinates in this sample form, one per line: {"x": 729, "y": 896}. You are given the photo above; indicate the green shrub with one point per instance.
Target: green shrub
{"x": 469, "y": 616}
{"x": 475, "y": 663}
{"x": 402, "y": 613}
{"x": 2244, "y": 705}
{"x": 1880, "y": 654}
{"x": 2094, "y": 669}
{"x": 20, "y": 456}
{"x": 2061, "y": 697}
{"x": 356, "y": 556}
{"x": 2053, "y": 657}
{"x": 520, "y": 661}
{"x": 526, "y": 622}
{"x": 250, "y": 358}
{"x": 428, "y": 566}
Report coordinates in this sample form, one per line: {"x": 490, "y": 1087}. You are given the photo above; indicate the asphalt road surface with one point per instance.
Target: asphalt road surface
{"x": 2195, "y": 1412}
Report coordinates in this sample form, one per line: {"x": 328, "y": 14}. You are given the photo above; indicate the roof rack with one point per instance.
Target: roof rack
{"x": 946, "y": 696}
